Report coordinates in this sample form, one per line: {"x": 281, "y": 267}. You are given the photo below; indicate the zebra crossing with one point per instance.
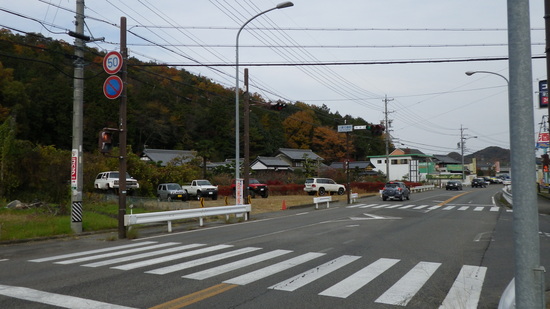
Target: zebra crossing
{"x": 428, "y": 207}
{"x": 147, "y": 256}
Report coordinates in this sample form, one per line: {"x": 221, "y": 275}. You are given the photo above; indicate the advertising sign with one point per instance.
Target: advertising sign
{"x": 544, "y": 140}
{"x": 239, "y": 191}
{"x": 74, "y": 167}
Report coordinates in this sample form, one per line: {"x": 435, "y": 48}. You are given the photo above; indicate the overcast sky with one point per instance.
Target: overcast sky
{"x": 377, "y": 45}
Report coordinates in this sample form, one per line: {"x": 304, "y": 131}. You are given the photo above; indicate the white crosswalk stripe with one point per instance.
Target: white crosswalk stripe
{"x": 117, "y": 253}
{"x": 201, "y": 261}
{"x": 356, "y": 281}
{"x": 466, "y": 289}
{"x": 404, "y": 289}
{"x": 204, "y": 274}
{"x": 465, "y": 292}
{"x": 273, "y": 269}
{"x": 430, "y": 207}
{"x": 170, "y": 257}
{"x": 314, "y": 274}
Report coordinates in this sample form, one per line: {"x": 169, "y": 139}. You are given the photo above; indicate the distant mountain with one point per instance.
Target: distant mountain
{"x": 489, "y": 154}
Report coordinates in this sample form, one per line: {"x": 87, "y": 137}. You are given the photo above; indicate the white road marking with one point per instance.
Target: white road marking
{"x": 479, "y": 208}
{"x": 273, "y": 269}
{"x": 64, "y": 256}
{"x": 359, "y": 279}
{"x": 463, "y": 208}
{"x": 58, "y": 300}
{"x": 235, "y": 265}
{"x": 106, "y": 255}
{"x": 170, "y": 257}
{"x": 140, "y": 256}
{"x": 466, "y": 289}
{"x": 200, "y": 261}
{"x": 314, "y": 274}
{"x": 404, "y": 289}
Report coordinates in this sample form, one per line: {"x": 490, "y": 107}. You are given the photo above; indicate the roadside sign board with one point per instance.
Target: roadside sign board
{"x": 345, "y": 128}
{"x": 543, "y": 140}
{"x": 360, "y": 127}
{"x": 112, "y": 88}
{"x": 239, "y": 191}
{"x": 112, "y": 62}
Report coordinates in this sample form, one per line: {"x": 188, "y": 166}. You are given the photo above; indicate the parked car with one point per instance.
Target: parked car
{"x": 323, "y": 185}
{"x": 453, "y": 185}
{"x": 396, "y": 190}
{"x": 171, "y": 191}
{"x": 255, "y": 187}
{"x": 109, "y": 181}
{"x": 479, "y": 183}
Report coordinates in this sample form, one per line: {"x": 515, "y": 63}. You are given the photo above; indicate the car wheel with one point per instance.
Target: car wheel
{"x": 265, "y": 194}
{"x": 198, "y": 195}
{"x": 384, "y": 198}
{"x": 185, "y": 197}
{"x": 214, "y": 197}
{"x": 408, "y": 197}
{"x": 322, "y": 191}
{"x": 401, "y": 198}
{"x": 169, "y": 199}
{"x": 341, "y": 191}
{"x": 158, "y": 198}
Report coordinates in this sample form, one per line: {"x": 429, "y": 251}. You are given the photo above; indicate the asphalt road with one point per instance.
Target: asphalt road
{"x": 442, "y": 248}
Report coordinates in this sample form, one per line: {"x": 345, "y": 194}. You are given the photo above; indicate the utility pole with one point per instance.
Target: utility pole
{"x": 246, "y": 163}
{"x": 386, "y": 100}
{"x": 78, "y": 99}
{"x": 529, "y": 274}
{"x": 122, "y": 133}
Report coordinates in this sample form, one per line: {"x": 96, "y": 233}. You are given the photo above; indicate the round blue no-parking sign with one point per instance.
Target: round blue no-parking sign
{"x": 112, "y": 88}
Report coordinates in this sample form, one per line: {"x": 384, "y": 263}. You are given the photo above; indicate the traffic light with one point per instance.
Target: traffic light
{"x": 105, "y": 141}
{"x": 376, "y": 129}
{"x": 545, "y": 162}
{"x": 278, "y": 106}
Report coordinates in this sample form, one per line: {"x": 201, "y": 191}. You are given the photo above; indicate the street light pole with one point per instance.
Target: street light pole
{"x": 237, "y": 142}
{"x": 470, "y": 73}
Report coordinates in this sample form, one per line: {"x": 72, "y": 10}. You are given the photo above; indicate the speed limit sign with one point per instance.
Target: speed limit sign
{"x": 112, "y": 63}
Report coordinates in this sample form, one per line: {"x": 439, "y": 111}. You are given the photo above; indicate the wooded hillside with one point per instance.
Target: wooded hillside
{"x": 168, "y": 108}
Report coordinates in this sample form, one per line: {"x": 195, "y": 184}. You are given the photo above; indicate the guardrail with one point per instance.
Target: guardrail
{"x": 322, "y": 199}
{"x": 507, "y": 193}
{"x": 422, "y": 188}
{"x": 169, "y": 216}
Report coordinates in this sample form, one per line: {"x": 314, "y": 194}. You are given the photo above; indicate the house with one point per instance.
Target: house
{"x": 297, "y": 157}
{"x": 164, "y": 156}
{"x": 403, "y": 164}
{"x": 270, "y": 164}
{"x": 363, "y": 168}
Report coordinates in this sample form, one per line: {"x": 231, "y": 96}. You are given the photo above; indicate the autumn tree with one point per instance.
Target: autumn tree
{"x": 299, "y": 129}
{"x": 329, "y": 144}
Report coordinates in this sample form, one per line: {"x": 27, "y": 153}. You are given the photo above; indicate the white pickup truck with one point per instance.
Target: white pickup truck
{"x": 201, "y": 188}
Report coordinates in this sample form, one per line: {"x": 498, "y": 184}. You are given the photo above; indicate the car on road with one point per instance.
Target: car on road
{"x": 453, "y": 185}
{"x": 322, "y": 186}
{"x": 396, "y": 190}
{"x": 479, "y": 183}
{"x": 171, "y": 191}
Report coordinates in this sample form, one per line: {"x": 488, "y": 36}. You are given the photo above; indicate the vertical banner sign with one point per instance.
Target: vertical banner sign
{"x": 74, "y": 168}
{"x": 543, "y": 94}
{"x": 239, "y": 191}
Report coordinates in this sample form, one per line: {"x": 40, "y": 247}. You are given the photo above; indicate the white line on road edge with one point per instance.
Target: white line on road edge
{"x": 53, "y": 299}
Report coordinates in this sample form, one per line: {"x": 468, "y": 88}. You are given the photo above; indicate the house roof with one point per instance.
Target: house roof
{"x": 271, "y": 162}
{"x": 298, "y": 154}
{"x": 164, "y": 156}
{"x": 445, "y": 159}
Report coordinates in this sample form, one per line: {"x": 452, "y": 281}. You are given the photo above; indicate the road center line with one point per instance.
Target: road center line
{"x": 196, "y": 297}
